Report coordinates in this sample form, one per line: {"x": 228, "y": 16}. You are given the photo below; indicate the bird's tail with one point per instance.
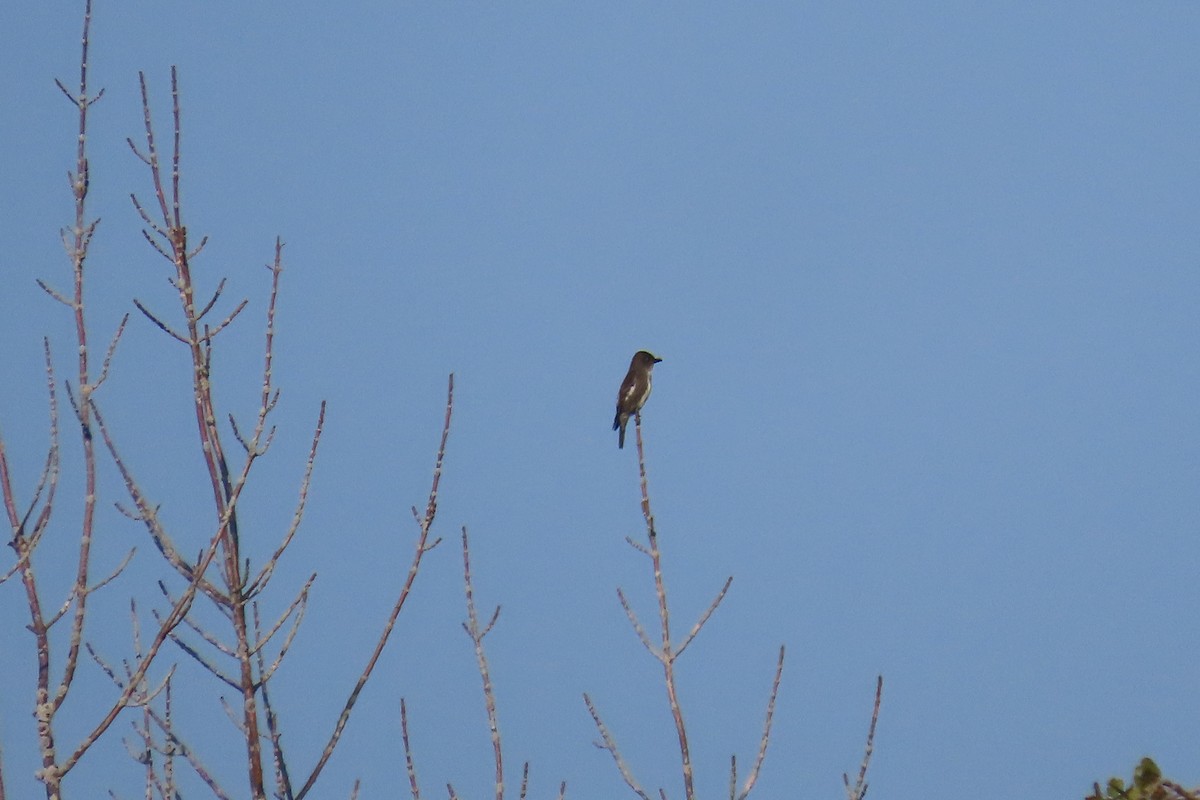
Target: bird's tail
{"x": 619, "y": 425}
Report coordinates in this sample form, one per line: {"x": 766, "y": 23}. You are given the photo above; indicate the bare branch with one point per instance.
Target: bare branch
{"x": 859, "y": 790}
{"x": 54, "y": 293}
{"x": 491, "y": 624}
{"x": 74, "y": 101}
{"x": 209, "y": 334}
{"x": 704, "y": 617}
{"x": 179, "y": 747}
{"x": 71, "y": 597}
{"x": 610, "y": 745}
{"x": 199, "y": 630}
{"x": 283, "y": 779}
{"x": 265, "y": 675}
{"x": 299, "y": 602}
{"x": 147, "y": 513}
{"x": 414, "y": 787}
{"x": 202, "y": 313}
{"x": 489, "y": 695}
{"x": 105, "y": 667}
{"x": 24, "y": 539}
{"x": 232, "y": 716}
{"x": 177, "y": 613}
{"x": 766, "y": 736}
{"x": 260, "y": 581}
{"x": 664, "y": 617}
{"x": 202, "y": 661}
{"x": 151, "y": 157}
{"x": 158, "y": 247}
{"x": 641, "y": 548}
{"x": 637, "y": 626}
{"x": 48, "y": 701}
{"x": 151, "y": 224}
{"x": 419, "y": 551}
{"x": 667, "y": 655}
{"x": 164, "y": 327}
{"x": 108, "y": 355}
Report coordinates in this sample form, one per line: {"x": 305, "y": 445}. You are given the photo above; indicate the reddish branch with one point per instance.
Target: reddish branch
{"x": 173, "y": 242}
{"x": 409, "y": 767}
{"x": 50, "y": 696}
{"x": 234, "y": 591}
{"x": 168, "y": 235}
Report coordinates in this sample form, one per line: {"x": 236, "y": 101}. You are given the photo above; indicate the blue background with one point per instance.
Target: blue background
{"x": 925, "y": 280}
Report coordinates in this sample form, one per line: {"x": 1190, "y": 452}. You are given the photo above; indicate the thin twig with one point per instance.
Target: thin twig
{"x": 201, "y": 631}
{"x": 637, "y": 626}
{"x": 164, "y": 327}
{"x": 299, "y": 602}
{"x": 422, "y": 546}
{"x": 476, "y": 633}
{"x": 202, "y": 313}
{"x": 293, "y": 629}
{"x": 409, "y": 767}
{"x": 232, "y": 682}
{"x": 259, "y": 582}
{"x": 610, "y": 744}
{"x": 66, "y": 605}
{"x": 24, "y": 539}
{"x": 704, "y": 617}
{"x": 859, "y": 790}
{"x": 108, "y": 354}
{"x": 180, "y": 747}
{"x": 766, "y": 736}
{"x": 283, "y": 779}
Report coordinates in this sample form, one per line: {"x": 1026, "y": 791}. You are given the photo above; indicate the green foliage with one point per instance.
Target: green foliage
{"x": 1148, "y": 784}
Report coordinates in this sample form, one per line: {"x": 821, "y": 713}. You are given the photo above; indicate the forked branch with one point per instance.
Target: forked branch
{"x": 667, "y": 654}
{"x": 766, "y": 736}
{"x": 859, "y": 790}
{"x": 471, "y": 626}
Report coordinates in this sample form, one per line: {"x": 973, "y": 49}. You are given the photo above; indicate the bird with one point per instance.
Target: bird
{"x": 635, "y": 389}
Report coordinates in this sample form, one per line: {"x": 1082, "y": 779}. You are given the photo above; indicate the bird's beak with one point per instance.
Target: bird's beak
{"x": 657, "y": 359}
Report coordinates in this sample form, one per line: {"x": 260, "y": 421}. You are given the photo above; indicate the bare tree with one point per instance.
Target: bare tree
{"x": 212, "y": 577}
{"x": 236, "y": 594}
{"x": 246, "y": 653}
{"x": 30, "y": 522}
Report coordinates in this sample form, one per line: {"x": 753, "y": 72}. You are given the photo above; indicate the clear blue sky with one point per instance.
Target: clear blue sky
{"x": 925, "y": 278}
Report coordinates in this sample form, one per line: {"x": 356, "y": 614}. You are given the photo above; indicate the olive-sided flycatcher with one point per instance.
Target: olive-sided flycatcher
{"x": 635, "y": 389}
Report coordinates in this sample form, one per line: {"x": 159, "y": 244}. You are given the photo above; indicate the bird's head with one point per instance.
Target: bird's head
{"x": 646, "y": 358}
